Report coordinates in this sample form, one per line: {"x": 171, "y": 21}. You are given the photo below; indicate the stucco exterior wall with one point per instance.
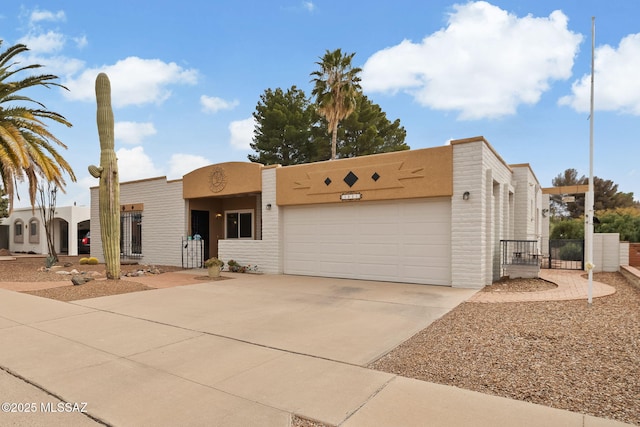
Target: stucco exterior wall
{"x": 223, "y": 179}
{"x": 266, "y": 253}
{"x": 489, "y": 215}
{"x": 606, "y": 252}
{"x": 72, "y": 215}
{"x": 625, "y": 253}
{"x": 499, "y": 209}
{"x": 468, "y": 224}
{"x": 528, "y": 204}
{"x": 163, "y": 219}
{"x": 390, "y": 176}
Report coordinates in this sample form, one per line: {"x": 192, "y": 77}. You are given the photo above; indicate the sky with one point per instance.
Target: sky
{"x": 187, "y": 76}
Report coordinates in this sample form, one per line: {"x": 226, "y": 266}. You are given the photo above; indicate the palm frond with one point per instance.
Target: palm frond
{"x": 27, "y": 148}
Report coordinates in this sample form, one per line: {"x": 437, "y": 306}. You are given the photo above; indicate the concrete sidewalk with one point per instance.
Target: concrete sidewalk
{"x": 251, "y": 351}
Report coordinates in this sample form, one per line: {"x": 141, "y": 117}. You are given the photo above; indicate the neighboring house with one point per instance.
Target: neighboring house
{"x": 26, "y": 230}
{"x": 431, "y": 216}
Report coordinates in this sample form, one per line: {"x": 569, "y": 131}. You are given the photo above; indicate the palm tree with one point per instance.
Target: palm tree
{"x": 27, "y": 148}
{"x": 336, "y": 85}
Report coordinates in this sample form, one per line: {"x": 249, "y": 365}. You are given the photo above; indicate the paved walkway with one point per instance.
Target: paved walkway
{"x": 570, "y": 286}
{"x": 250, "y": 351}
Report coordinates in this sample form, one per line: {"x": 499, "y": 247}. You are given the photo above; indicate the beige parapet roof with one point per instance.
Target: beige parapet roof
{"x": 426, "y": 172}
{"x": 566, "y": 189}
{"x": 223, "y": 179}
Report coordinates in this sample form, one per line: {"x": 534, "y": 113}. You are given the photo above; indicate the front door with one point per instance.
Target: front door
{"x": 200, "y": 225}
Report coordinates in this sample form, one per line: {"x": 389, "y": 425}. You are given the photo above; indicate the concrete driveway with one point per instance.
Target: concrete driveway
{"x": 249, "y": 351}
{"x": 343, "y": 320}
{"x": 246, "y": 351}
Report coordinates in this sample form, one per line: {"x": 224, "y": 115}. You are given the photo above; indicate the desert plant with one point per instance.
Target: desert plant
{"x": 236, "y": 267}
{"x": 233, "y": 266}
{"x": 212, "y": 262}
{"x": 107, "y": 172}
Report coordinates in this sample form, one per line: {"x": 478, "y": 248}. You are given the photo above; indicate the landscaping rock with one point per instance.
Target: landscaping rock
{"x": 78, "y": 280}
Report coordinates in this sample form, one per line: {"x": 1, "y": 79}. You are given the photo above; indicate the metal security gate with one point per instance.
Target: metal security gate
{"x": 566, "y": 254}
{"x": 131, "y": 234}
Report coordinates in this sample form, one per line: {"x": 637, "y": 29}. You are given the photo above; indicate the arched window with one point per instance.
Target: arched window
{"x": 34, "y": 231}
{"x": 18, "y": 231}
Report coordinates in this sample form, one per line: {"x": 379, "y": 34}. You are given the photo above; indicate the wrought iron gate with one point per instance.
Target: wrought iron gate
{"x": 131, "y": 234}
{"x": 192, "y": 253}
{"x": 566, "y": 254}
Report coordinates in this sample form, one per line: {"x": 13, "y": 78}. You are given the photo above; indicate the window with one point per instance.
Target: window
{"x": 18, "y": 235}
{"x": 34, "y": 231}
{"x": 131, "y": 234}
{"x": 239, "y": 225}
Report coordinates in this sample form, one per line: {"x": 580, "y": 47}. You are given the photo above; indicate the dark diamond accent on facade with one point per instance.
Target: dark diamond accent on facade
{"x": 375, "y": 176}
{"x": 327, "y": 182}
{"x": 350, "y": 179}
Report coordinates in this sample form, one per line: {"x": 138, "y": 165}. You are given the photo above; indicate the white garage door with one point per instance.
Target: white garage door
{"x": 402, "y": 241}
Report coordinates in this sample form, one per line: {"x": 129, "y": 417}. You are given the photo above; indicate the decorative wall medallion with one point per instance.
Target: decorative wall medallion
{"x": 217, "y": 179}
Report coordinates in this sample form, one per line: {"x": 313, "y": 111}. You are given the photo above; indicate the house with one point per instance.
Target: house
{"x": 24, "y": 230}
{"x": 431, "y": 216}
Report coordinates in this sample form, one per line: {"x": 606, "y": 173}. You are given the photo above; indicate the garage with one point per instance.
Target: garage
{"x": 401, "y": 241}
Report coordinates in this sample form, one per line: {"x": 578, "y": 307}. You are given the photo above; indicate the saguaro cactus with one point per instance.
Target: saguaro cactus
{"x": 109, "y": 200}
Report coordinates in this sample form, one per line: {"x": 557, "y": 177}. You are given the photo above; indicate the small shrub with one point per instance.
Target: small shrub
{"x": 50, "y": 261}
{"x": 235, "y": 267}
{"x": 92, "y": 261}
{"x": 571, "y": 252}
{"x": 84, "y": 261}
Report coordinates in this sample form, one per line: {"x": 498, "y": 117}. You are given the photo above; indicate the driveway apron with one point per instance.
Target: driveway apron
{"x": 252, "y": 350}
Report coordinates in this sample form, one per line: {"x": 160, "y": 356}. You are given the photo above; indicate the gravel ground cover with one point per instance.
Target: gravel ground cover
{"x": 31, "y": 269}
{"x": 562, "y": 354}
{"x": 520, "y": 285}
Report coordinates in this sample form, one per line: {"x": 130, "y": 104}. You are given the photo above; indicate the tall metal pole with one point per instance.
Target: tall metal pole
{"x": 590, "y": 195}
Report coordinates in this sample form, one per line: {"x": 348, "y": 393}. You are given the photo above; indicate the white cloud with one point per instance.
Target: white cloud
{"x": 484, "y": 64}
{"x": 212, "y": 104}
{"x": 134, "y": 81}
{"x": 81, "y": 41}
{"x": 58, "y": 65}
{"x": 242, "y": 133}
{"x": 616, "y": 84}
{"x": 133, "y": 132}
{"x": 46, "y": 15}
{"x": 49, "y": 42}
{"x": 181, "y": 164}
{"x": 134, "y": 164}
{"x": 309, "y": 5}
